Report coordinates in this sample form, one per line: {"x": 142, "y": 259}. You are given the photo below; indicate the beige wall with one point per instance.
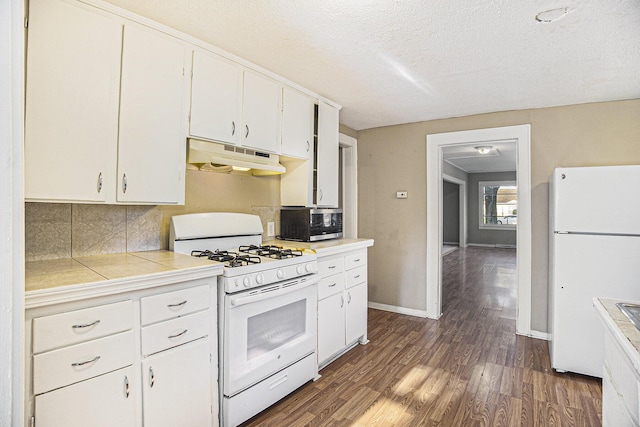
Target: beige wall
{"x": 394, "y": 158}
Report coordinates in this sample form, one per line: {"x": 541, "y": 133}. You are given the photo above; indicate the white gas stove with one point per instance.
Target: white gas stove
{"x": 266, "y": 309}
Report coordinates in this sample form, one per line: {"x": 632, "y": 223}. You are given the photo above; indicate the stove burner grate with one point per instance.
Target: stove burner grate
{"x": 270, "y": 251}
{"x": 231, "y": 259}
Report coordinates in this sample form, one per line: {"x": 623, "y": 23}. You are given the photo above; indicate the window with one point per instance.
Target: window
{"x": 498, "y": 204}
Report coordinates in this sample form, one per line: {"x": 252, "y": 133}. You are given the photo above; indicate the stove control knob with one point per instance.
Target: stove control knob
{"x": 309, "y": 267}
{"x": 259, "y": 279}
{"x": 299, "y": 269}
{"x": 280, "y": 274}
{"x": 246, "y": 281}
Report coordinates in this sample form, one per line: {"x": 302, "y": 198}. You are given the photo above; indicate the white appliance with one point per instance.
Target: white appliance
{"x": 594, "y": 252}
{"x": 267, "y": 310}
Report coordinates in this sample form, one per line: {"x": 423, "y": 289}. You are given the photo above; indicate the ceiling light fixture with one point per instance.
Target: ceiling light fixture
{"x": 483, "y": 149}
{"x": 552, "y": 14}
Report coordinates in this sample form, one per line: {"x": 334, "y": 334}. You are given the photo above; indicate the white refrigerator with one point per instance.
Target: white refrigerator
{"x": 594, "y": 252}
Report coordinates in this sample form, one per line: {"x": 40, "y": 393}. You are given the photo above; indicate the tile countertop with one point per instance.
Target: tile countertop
{"x": 326, "y": 247}
{"x": 626, "y": 335}
{"x": 56, "y": 280}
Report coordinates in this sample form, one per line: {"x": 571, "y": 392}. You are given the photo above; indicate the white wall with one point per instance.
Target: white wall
{"x": 11, "y": 211}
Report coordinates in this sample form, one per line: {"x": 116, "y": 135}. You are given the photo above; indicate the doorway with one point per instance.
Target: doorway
{"x": 521, "y": 134}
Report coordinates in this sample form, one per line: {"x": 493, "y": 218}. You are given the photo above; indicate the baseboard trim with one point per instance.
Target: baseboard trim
{"x": 397, "y": 309}
{"x": 496, "y": 245}
{"x": 537, "y": 335}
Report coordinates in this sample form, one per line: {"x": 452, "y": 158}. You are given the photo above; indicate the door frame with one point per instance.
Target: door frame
{"x": 462, "y": 209}
{"x": 349, "y": 157}
{"x": 521, "y": 134}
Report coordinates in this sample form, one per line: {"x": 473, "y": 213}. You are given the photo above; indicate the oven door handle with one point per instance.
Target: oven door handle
{"x": 238, "y": 300}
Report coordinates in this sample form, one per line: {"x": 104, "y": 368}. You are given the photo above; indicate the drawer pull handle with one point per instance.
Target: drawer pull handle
{"x": 277, "y": 382}
{"x": 332, "y": 267}
{"x": 177, "y": 304}
{"x": 86, "y": 325}
{"x": 356, "y": 260}
{"x": 126, "y": 387}
{"x": 178, "y": 334}
{"x": 86, "y": 362}
{"x": 152, "y": 378}
{"x": 333, "y": 284}
{"x": 356, "y": 276}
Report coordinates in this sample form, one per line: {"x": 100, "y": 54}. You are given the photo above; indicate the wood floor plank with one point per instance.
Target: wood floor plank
{"x": 466, "y": 369}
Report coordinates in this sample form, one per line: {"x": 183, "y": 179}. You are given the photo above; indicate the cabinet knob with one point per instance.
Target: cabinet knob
{"x": 152, "y": 378}
{"x": 86, "y": 362}
{"x": 85, "y": 325}
{"x": 100, "y": 182}
{"x": 126, "y": 387}
{"x": 124, "y": 183}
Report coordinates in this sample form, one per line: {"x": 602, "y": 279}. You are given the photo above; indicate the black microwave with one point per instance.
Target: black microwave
{"x": 310, "y": 224}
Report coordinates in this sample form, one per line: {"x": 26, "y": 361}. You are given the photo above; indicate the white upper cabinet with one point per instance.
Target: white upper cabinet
{"x": 297, "y": 124}
{"x": 216, "y": 98}
{"x": 233, "y": 105}
{"x": 261, "y": 106}
{"x": 327, "y": 156}
{"x": 106, "y": 108}
{"x": 151, "y": 147}
{"x": 73, "y": 83}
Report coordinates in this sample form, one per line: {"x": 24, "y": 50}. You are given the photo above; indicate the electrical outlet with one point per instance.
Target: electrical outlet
{"x": 402, "y": 195}
{"x": 271, "y": 229}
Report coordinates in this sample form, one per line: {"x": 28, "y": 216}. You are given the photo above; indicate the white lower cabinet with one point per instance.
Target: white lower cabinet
{"x": 104, "y": 401}
{"x": 620, "y": 387}
{"x": 140, "y": 358}
{"x": 342, "y": 304}
{"x": 177, "y": 386}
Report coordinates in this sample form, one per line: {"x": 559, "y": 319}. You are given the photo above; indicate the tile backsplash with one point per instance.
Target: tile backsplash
{"x": 63, "y": 230}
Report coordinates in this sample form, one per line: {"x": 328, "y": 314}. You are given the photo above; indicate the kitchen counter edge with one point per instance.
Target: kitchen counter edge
{"x": 326, "y": 247}
{"x": 625, "y": 334}
{"x": 167, "y": 266}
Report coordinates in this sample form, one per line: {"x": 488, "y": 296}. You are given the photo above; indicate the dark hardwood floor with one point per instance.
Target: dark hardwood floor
{"x": 466, "y": 369}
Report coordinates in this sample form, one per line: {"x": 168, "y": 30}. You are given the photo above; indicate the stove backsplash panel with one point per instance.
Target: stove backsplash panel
{"x": 62, "y": 230}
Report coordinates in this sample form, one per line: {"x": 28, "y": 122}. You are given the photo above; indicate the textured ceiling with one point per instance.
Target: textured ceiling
{"x": 502, "y": 157}
{"x": 400, "y": 61}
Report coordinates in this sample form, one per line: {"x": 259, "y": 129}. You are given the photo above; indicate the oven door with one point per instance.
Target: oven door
{"x": 266, "y": 330}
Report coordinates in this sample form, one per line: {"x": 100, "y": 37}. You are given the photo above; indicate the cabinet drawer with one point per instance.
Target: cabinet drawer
{"x": 60, "y": 330}
{"x": 355, "y": 259}
{"x": 330, "y": 266}
{"x": 330, "y": 285}
{"x": 173, "y": 304}
{"x": 174, "y": 332}
{"x": 69, "y": 365}
{"x": 356, "y": 276}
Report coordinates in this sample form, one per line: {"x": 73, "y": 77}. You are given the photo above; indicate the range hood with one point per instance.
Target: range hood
{"x": 218, "y": 157}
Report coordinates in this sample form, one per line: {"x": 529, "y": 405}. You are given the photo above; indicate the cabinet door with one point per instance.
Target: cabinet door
{"x": 327, "y": 178}
{"x": 216, "y": 98}
{"x": 177, "y": 387}
{"x": 104, "y": 401}
{"x": 297, "y": 124}
{"x": 331, "y": 326}
{"x": 73, "y": 75}
{"x": 151, "y": 145}
{"x": 261, "y": 113}
{"x": 356, "y": 312}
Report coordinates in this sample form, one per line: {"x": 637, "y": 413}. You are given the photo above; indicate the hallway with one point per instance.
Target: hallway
{"x": 466, "y": 369}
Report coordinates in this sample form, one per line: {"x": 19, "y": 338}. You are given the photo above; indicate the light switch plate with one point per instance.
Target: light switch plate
{"x": 402, "y": 195}
{"x": 271, "y": 229}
